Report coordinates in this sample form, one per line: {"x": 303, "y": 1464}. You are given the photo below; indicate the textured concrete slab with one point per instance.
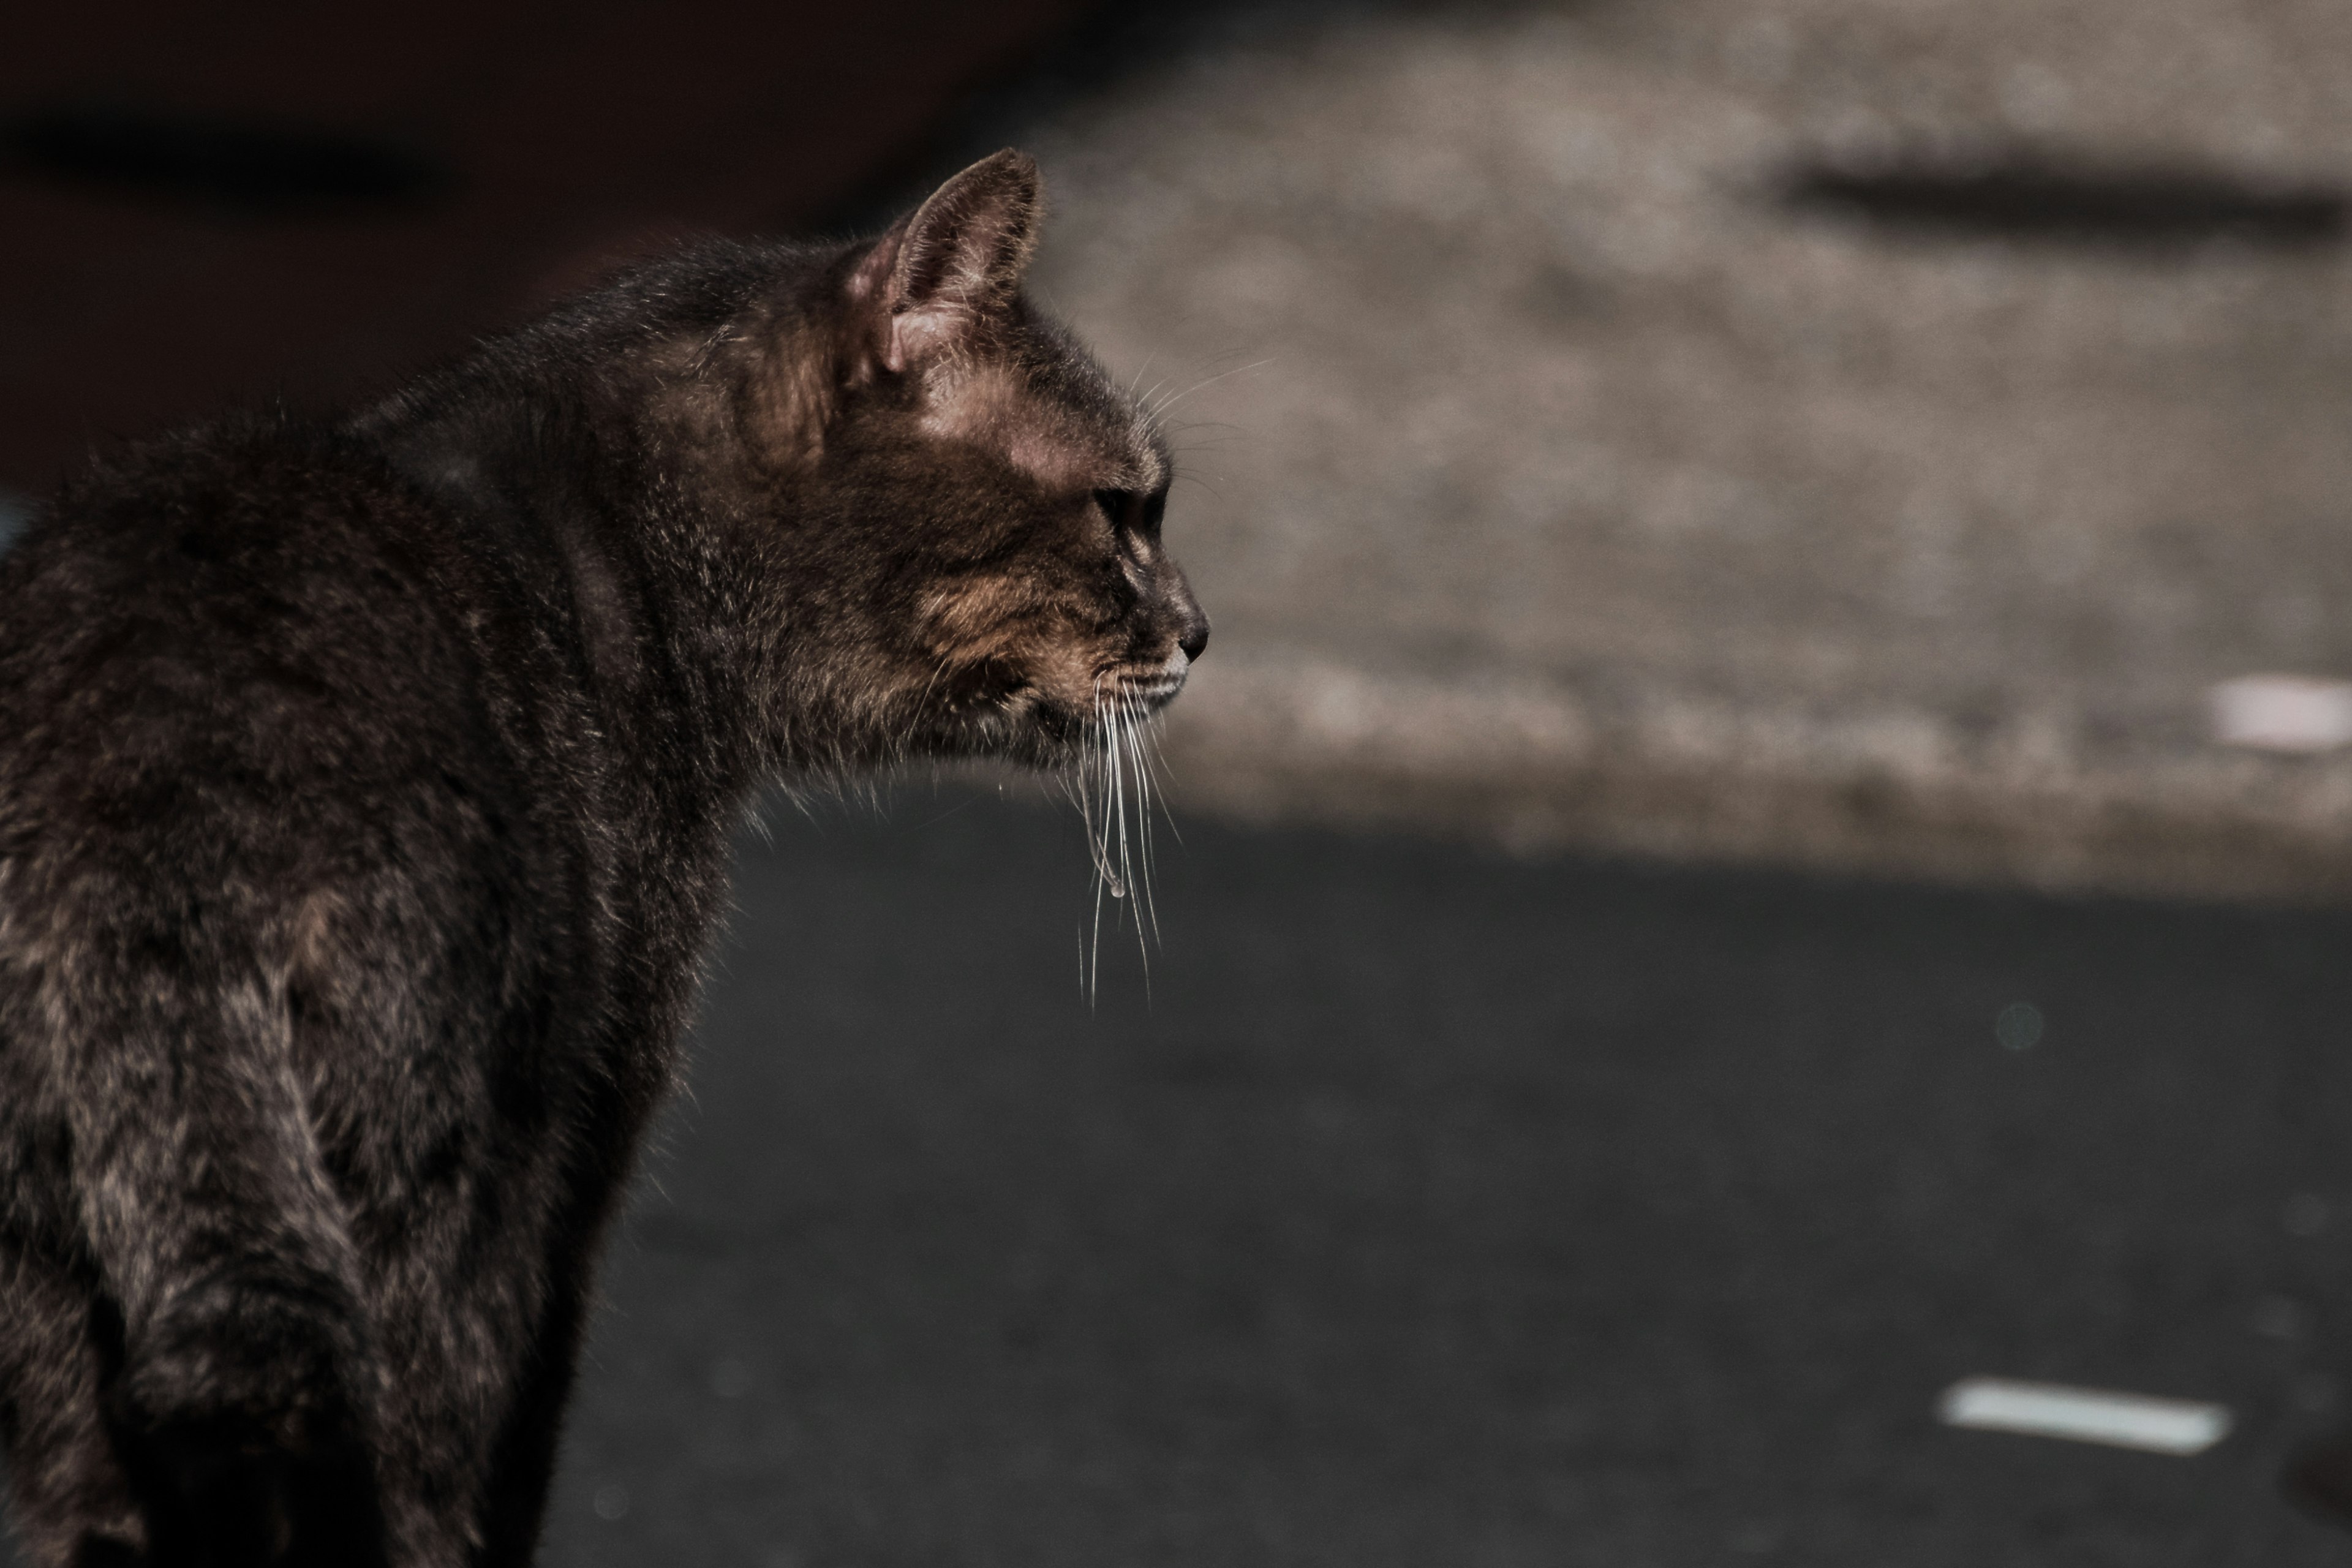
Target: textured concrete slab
{"x": 1563, "y": 484}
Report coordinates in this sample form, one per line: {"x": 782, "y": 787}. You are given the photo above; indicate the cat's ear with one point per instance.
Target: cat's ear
{"x": 947, "y": 272}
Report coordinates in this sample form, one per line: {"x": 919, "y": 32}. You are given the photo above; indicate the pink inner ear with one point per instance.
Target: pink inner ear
{"x": 872, "y": 274}
{"x": 972, "y": 239}
{"x": 930, "y": 282}
{"x": 920, "y": 333}
{"x": 916, "y": 334}
{"x": 868, "y": 294}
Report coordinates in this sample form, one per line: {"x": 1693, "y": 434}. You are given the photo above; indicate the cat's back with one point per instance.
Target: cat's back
{"x": 250, "y": 633}
{"x": 246, "y": 541}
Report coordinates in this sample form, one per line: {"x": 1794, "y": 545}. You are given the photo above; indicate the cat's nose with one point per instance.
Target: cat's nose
{"x": 1195, "y": 637}
{"x": 1177, "y": 605}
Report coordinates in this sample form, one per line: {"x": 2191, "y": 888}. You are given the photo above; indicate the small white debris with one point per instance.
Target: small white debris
{"x": 2283, "y": 714}
{"x": 2085, "y": 1414}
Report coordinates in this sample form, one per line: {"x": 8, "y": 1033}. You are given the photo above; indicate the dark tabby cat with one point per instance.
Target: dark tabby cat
{"x": 365, "y": 797}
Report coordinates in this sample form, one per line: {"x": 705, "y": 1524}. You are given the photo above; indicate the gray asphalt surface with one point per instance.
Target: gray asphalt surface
{"x": 1439, "y": 1208}
{"x": 1444, "y": 1209}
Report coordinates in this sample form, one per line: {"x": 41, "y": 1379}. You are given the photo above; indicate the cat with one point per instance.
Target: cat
{"x": 365, "y": 792}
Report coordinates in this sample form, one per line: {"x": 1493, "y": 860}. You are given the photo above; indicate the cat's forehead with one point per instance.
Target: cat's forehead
{"x": 1068, "y": 430}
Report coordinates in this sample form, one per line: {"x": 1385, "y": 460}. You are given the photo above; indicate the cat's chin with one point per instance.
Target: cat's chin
{"x": 1146, "y": 697}
{"x": 1024, "y": 727}
{"x": 1033, "y": 730}
{"x": 1143, "y": 690}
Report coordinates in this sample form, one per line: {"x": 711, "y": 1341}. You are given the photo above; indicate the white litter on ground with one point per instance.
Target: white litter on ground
{"x": 2085, "y": 1414}
{"x": 2282, "y": 712}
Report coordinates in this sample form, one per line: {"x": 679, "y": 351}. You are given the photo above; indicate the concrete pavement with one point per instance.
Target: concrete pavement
{"x": 1563, "y": 484}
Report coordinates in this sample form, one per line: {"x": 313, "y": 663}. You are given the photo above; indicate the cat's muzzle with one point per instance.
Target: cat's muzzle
{"x": 1150, "y": 687}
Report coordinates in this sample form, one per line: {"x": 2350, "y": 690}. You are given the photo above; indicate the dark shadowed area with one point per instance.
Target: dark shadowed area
{"x": 276, "y": 198}
{"x": 1996, "y": 196}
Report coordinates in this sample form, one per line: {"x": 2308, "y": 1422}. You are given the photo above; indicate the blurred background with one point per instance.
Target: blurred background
{"x": 1766, "y": 825}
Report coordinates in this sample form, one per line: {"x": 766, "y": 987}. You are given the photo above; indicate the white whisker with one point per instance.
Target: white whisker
{"x": 1114, "y": 783}
{"x": 1162, "y": 405}
{"x": 1140, "y": 764}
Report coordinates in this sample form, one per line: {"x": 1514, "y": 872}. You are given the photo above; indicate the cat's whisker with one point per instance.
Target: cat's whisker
{"x": 1097, "y": 813}
{"x": 1094, "y": 944}
{"x": 1146, "y": 924}
{"x": 1154, "y": 404}
{"x": 1139, "y": 765}
{"x": 1110, "y": 804}
{"x": 1118, "y": 787}
{"x": 1160, "y": 764}
{"x": 1208, "y": 437}
{"x": 1128, "y": 871}
{"x": 1157, "y": 409}
{"x": 1112, "y": 784}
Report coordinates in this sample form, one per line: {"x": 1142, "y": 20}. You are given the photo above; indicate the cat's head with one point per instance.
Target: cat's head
{"x": 980, "y": 502}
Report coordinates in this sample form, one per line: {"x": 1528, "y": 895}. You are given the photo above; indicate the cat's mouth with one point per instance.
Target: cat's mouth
{"x": 1146, "y": 689}
{"x": 1045, "y": 721}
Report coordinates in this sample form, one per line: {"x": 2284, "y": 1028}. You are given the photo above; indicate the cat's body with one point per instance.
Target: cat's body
{"x": 364, "y": 792}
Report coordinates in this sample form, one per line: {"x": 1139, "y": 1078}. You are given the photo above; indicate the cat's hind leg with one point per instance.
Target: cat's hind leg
{"x": 522, "y": 1465}
{"x": 239, "y": 1409}
{"x": 73, "y": 1507}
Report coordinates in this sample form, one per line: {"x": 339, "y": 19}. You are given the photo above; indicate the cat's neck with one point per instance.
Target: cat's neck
{"x": 572, "y": 474}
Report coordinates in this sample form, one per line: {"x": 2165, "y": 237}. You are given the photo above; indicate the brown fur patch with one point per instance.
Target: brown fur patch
{"x": 989, "y": 406}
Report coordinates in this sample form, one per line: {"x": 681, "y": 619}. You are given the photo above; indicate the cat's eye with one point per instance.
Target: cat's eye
{"x": 1132, "y": 511}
